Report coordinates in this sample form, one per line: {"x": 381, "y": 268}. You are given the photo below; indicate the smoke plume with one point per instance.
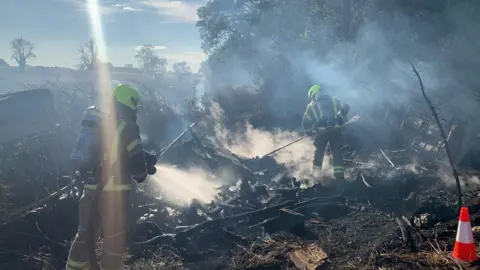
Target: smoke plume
{"x": 364, "y": 63}
{"x": 249, "y": 142}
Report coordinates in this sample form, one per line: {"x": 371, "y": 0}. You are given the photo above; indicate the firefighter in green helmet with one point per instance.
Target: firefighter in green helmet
{"x": 105, "y": 207}
{"x": 323, "y": 119}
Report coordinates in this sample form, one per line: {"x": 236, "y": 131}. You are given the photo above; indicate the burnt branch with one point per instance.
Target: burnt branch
{"x": 265, "y": 213}
{"x": 386, "y": 157}
{"x": 26, "y": 209}
{"x": 442, "y": 134}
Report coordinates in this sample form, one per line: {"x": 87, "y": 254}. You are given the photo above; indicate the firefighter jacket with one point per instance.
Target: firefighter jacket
{"x": 324, "y": 111}
{"x": 125, "y": 156}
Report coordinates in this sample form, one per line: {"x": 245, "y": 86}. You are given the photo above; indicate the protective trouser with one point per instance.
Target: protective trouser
{"x": 112, "y": 221}
{"x": 334, "y": 137}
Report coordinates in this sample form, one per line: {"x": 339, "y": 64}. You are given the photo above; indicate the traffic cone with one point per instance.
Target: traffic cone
{"x": 464, "y": 249}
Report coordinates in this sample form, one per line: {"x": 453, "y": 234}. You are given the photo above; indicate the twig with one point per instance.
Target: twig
{"x": 262, "y": 222}
{"x": 405, "y": 219}
{"x": 436, "y": 239}
{"x": 407, "y": 240}
{"x": 16, "y": 253}
{"x": 24, "y": 210}
{"x": 266, "y": 212}
{"x": 222, "y": 205}
{"x": 364, "y": 181}
{"x": 389, "y": 161}
{"x": 234, "y": 237}
{"x": 442, "y": 133}
{"x": 214, "y": 222}
{"x": 397, "y": 151}
{"x": 446, "y": 257}
{"x": 452, "y": 130}
{"x": 364, "y": 163}
{"x": 46, "y": 237}
{"x": 419, "y": 233}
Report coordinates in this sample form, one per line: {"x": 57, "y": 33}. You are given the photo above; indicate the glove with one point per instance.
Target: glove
{"x": 344, "y": 110}
{"x": 150, "y": 159}
{"x": 151, "y": 170}
{"x": 139, "y": 178}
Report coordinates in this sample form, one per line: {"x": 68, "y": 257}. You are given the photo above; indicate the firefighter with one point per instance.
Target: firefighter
{"x": 323, "y": 119}
{"x": 107, "y": 200}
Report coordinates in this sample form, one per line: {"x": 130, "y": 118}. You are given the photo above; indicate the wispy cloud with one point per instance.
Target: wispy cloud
{"x": 157, "y": 48}
{"x": 125, "y": 7}
{"x": 130, "y": 9}
{"x": 109, "y": 7}
{"x": 176, "y": 11}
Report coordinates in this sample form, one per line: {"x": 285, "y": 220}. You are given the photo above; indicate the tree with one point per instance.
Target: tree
{"x": 356, "y": 39}
{"x": 181, "y": 68}
{"x": 22, "y": 50}
{"x": 88, "y": 55}
{"x": 149, "y": 61}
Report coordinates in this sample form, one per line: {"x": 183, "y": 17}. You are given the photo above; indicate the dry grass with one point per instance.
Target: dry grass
{"x": 436, "y": 259}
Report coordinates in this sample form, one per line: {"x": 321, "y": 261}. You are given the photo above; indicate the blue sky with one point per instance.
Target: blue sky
{"x": 58, "y": 27}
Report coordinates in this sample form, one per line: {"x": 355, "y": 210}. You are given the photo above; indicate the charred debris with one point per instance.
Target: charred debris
{"x": 391, "y": 211}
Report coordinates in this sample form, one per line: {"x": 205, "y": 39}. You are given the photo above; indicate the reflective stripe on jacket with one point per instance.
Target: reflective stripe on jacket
{"x": 314, "y": 116}
{"x": 126, "y": 149}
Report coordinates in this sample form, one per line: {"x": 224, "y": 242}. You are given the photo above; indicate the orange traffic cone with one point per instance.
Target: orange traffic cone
{"x": 464, "y": 249}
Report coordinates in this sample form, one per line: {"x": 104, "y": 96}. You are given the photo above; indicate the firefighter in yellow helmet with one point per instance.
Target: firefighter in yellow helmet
{"x": 323, "y": 119}
{"x": 105, "y": 206}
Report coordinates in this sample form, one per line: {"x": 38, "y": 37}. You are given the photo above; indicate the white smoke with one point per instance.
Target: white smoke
{"x": 251, "y": 142}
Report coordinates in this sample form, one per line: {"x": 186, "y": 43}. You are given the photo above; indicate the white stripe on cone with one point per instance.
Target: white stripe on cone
{"x": 464, "y": 233}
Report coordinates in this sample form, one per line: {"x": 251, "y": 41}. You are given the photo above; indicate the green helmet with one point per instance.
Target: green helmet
{"x": 126, "y": 95}
{"x": 313, "y": 90}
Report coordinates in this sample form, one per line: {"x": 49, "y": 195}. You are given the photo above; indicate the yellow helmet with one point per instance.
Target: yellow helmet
{"x": 313, "y": 90}
{"x": 126, "y": 95}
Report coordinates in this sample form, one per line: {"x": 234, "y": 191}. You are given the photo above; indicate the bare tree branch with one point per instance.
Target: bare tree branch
{"x": 386, "y": 157}
{"x": 442, "y": 134}
{"x": 88, "y": 55}
{"x": 24, "y": 210}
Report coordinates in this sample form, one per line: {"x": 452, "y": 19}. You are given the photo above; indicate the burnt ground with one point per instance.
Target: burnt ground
{"x": 356, "y": 225}
{"x": 365, "y": 235}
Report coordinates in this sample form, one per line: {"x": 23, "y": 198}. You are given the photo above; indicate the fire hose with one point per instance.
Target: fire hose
{"x": 322, "y": 129}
